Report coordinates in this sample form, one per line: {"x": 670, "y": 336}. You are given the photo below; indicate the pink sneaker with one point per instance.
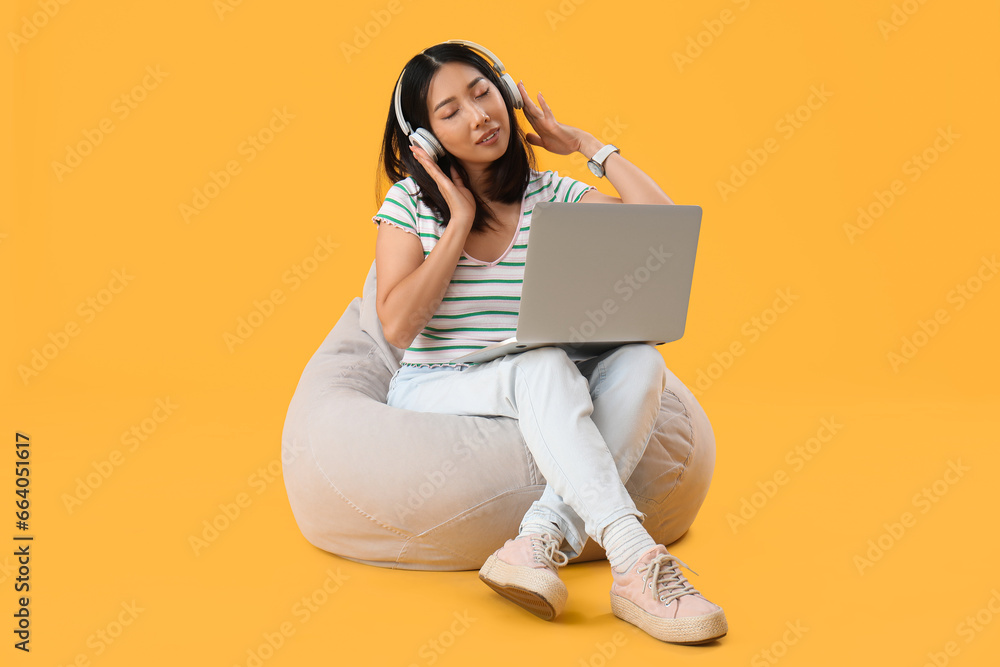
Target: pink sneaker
{"x": 654, "y": 596}
{"x": 525, "y": 571}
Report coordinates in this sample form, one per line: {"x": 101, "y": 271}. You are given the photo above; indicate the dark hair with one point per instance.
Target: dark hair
{"x": 508, "y": 175}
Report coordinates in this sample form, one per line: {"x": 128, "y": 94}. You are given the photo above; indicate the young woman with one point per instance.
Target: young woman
{"x": 449, "y": 261}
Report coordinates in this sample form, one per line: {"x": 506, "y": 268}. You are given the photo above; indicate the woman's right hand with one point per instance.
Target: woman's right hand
{"x": 459, "y": 198}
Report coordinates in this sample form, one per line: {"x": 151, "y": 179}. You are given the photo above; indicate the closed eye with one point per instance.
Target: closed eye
{"x": 478, "y": 97}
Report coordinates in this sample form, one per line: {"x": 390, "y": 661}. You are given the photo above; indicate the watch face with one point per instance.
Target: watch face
{"x": 596, "y": 168}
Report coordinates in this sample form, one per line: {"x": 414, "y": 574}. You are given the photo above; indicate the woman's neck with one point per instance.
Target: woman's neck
{"x": 480, "y": 185}
{"x": 478, "y": 181}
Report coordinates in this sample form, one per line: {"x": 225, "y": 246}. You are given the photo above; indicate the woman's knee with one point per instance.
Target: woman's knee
{"x": 642, "y": 362}
{"x": 549, "y": 362}
{"x": 547, "y": 355}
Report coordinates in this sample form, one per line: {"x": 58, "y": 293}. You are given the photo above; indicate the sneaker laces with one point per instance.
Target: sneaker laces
{"x": 670, "y": 583}
{"x": 546, "y": 550}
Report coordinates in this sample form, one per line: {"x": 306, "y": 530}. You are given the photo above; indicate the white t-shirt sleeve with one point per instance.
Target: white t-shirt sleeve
{"x": 568, "y": 189}
{"x": 399, "y": 209}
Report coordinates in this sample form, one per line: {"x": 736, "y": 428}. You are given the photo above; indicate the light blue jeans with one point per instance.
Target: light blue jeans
{"x": 586, "y": 423}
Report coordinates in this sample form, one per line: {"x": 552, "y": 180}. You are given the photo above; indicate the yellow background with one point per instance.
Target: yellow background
{"x": 601, "y": 65}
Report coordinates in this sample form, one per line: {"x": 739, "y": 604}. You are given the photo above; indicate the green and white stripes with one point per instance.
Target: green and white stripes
{"x": 482, "y": 302}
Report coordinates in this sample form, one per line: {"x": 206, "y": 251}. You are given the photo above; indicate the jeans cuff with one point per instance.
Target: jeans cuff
{"x": 572, "y": 538}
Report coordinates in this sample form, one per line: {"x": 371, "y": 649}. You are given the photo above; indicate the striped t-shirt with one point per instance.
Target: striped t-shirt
{"x": 482, "y": 302}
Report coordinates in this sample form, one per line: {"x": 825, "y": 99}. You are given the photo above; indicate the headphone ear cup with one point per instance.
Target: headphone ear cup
{"x": 428, "y": 142}
{"x": 515, "y": 94}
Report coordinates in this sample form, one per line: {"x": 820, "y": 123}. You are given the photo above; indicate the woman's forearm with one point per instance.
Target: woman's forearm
{"x": 634, "y": 186}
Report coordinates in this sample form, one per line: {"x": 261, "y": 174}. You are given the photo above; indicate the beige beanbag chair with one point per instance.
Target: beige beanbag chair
{"x": 424, "y": 491}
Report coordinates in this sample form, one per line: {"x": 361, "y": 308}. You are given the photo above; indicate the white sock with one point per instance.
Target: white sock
{"x": 624, "y": 540}
{"x": 547, "y": 528}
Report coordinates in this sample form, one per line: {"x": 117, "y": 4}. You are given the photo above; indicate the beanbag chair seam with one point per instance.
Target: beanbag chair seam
{"x": 437, "y": 545}
{"x": 532, "y": 491}
{"x": 474, "y": 508}
{"x": 348, "y": 501}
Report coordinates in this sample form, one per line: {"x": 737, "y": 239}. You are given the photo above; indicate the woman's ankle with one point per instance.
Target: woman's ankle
{"x": 546, "y": 528}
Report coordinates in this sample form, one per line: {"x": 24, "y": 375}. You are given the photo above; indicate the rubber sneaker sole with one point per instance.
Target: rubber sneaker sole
{"x": 689, "y": 631}
{"x": 534, "y": 589}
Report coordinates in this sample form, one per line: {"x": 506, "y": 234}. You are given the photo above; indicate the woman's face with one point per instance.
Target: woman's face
{"x": 458, "y": 100}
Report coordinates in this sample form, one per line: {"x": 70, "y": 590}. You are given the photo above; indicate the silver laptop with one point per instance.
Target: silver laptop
{"x": 602, "y": 275}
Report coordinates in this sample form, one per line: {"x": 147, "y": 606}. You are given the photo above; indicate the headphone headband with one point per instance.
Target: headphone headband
{"x": 399, "y": 110}
{"x": 497, "y": 65}
{"x": 420, "y": 135}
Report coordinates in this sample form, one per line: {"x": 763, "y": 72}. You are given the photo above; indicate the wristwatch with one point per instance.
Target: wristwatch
{"x": 596, "y": 163}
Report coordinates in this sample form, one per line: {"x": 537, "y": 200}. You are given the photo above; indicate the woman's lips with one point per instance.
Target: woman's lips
{"x": 490, "y": 142}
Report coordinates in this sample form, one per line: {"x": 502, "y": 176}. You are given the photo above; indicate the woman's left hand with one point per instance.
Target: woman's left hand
{"x": 553, "y": 136}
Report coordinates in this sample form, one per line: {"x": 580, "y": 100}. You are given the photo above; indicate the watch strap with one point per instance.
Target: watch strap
{"x": 603, "y": 154}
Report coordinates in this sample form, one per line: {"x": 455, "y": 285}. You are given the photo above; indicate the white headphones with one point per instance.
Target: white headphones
{"x": 426, "y": 139}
